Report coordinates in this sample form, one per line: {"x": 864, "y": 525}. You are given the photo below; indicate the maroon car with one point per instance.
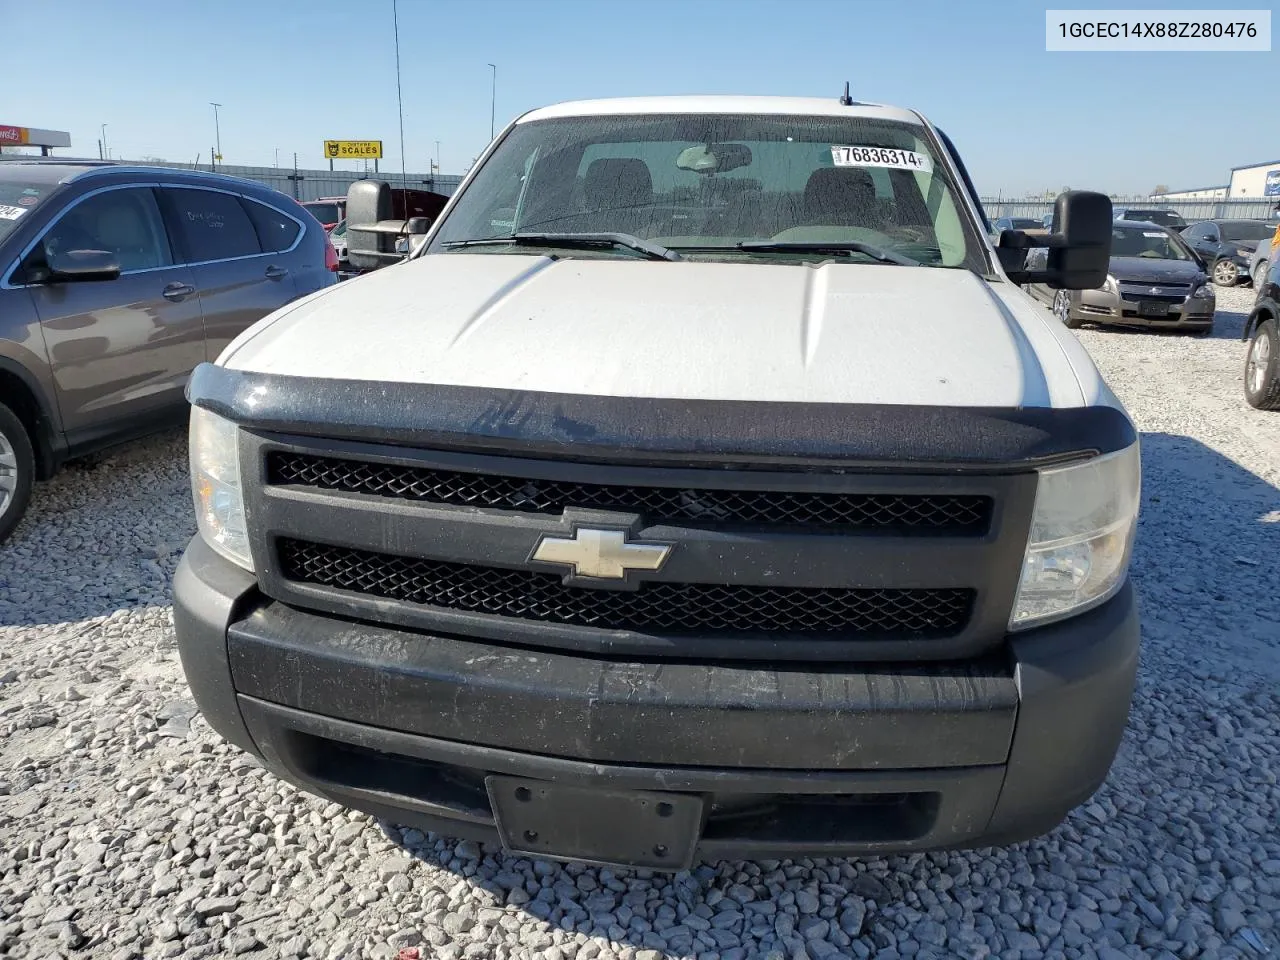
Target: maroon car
{"x": 328, "y": 210}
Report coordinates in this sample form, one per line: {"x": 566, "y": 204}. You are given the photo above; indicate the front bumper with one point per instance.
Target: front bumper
{"x": 806, "y": 759}
{"x": 1105, "y": 307}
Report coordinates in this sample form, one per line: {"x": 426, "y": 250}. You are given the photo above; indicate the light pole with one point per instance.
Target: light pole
{"x": 437, "y": 156}
{"x": 106, "y": 151}
{"x": 493, "y": 98}
{"x": 404, "y": 177}
{"x": 217, "y": 131}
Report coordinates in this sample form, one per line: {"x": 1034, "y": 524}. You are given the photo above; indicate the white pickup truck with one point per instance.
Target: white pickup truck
{"x": 704, "y": 486}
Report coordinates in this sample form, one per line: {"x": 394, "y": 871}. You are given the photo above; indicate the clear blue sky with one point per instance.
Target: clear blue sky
{"x": 291, "y": 73}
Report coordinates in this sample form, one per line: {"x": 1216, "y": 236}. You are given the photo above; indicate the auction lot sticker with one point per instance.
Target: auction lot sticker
{"x": 881, "y": 157}
{"x": 11, "y": 213}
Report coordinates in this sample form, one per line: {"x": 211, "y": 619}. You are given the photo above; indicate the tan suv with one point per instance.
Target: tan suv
{"x": 115, "y": 282}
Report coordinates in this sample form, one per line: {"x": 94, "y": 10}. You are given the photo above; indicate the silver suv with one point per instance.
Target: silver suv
{"x": 115, "y": 282}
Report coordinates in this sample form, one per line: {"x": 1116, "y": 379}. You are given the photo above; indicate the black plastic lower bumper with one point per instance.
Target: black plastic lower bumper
{"x": 836, "y": 759}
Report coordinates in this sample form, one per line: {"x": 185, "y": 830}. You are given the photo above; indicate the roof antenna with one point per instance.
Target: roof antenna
{"x": 846, "y": 100}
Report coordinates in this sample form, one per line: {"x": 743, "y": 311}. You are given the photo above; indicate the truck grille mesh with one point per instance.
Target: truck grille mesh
{"x": 967, "y": 514}
{"x": 664, "y": 607}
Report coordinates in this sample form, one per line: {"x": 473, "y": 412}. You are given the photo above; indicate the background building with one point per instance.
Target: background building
{"x": 1195, "y": 193}
{"x": 1256, "y": 180}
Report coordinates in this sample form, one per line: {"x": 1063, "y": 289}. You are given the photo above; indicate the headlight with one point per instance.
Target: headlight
{"x": 1203, "y": 292}
{"x": 1111, "y": 286}
{"x": 215, "y": 482}
{"x": 1081, "y": 535}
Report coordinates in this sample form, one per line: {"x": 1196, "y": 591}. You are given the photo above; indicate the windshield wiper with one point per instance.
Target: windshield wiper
{"x": 836, "y": 247}
{"x": 571, "y": 241}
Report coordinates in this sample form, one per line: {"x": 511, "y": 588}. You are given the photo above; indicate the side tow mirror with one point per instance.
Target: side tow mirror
{"x": 1078, "y": 254}
{"x": 82, "y": 266}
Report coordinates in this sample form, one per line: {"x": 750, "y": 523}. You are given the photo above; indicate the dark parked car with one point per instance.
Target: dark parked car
{"x": 115, "y": 282}
{"x": 1262, "y": 361}
{"x": 1154, "y": 280}
{"x": 1261, "y": 259}
{"x": 1026, "y": 224}
{"x": 1228, "y": 246}
{"x": 1165, "y": 218}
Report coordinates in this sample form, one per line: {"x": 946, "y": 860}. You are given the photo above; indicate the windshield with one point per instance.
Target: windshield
{"x": 324, "y": 212}
{"x": 1024, "y": 223}
{"x": 1162, "y": 217}
{"x": 1151, "y": 244}
{"x": 17, "y": 199}
{"x": 1250, "y": 231}
{"x": 701, "y": 184}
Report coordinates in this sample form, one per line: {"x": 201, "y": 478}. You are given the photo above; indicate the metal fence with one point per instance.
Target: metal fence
{"x": 1189, "y": 210}
{"x": 313, "y": 184}
{"x": 309, "y": 184}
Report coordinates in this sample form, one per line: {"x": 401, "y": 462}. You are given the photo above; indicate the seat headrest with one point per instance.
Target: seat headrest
{"x": 841, "y": 196}
{"x": 617, "y": 182}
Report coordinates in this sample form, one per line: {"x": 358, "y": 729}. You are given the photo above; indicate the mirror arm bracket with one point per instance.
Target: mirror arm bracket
{"x": 1018, "y": 240}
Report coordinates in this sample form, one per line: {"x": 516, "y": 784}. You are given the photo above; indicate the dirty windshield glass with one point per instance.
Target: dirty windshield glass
{"x": 17, "y": 200}
{"x": 1153, "y": 244}
{"x": 703, "y": 184}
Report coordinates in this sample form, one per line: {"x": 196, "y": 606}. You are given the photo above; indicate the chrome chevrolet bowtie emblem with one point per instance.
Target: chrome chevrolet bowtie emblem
{"x": 1154, "y": 290}
{"x": 600, "y": 554}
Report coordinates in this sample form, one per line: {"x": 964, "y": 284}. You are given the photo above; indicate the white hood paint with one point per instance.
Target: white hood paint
{"x": 838, "y": 333}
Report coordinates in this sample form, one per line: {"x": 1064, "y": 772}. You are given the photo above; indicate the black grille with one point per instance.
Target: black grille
{"x": 664, "y": 607}
{"x": 938, "y": 513}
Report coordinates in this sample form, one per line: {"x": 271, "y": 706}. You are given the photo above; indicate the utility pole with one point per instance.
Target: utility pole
{"x": 437, "y": 156}
{"x": 404, "y": 177}
{"x": 295, "y": 177}
{"x": 217, "y": 132}
{"x": 493, "y": 99}
{"x": 106, "y": 150}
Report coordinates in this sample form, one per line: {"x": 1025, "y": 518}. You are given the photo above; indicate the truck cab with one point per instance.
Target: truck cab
{"x": 704, "y": 485}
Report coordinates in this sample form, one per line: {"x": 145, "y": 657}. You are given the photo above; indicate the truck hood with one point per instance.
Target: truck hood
{"x": 833, "y": 333}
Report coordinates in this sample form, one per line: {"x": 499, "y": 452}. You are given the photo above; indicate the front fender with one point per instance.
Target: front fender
{"x": 1264, "y": 310}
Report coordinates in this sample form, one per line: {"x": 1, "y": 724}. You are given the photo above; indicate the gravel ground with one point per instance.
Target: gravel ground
{"x": 128, "y": 829}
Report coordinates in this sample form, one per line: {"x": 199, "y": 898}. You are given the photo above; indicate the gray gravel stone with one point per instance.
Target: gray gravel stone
{"x": 216, "y": 906}
{"x": 852, "y": 918}
{"x": 70, "y": 935}
{"x": 806, "y": 902}
{"x": 243, "y": 943}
